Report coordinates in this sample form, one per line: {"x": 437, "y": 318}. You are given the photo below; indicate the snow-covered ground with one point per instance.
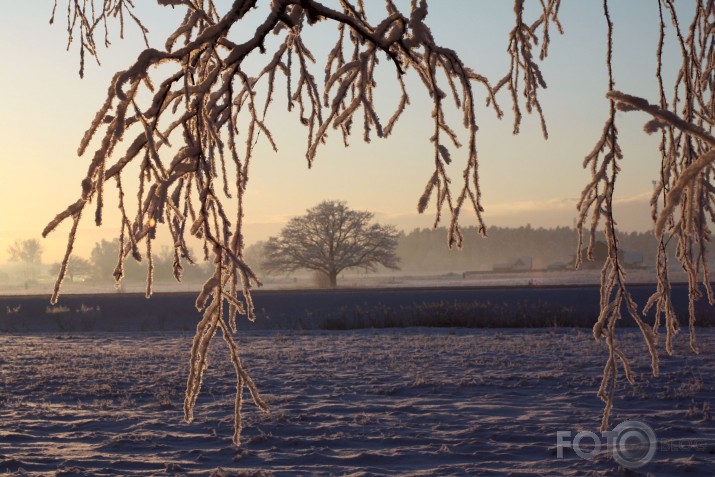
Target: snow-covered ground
{"x": 360, "y": 403}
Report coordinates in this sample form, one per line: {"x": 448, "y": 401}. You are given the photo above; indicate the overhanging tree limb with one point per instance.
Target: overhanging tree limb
{"x": 187, "y": 138}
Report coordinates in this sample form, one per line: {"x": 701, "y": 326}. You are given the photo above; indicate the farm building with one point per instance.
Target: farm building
{"x": 516, "y": 264}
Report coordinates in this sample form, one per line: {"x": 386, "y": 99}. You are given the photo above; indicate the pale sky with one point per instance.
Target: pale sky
{"x": 46, "y": 108}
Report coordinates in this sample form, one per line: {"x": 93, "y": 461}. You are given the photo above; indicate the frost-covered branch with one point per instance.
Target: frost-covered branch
{"x": 597, "y": 201}
{"x": 86, "y": 20}
{"x": 685, "y": 189}
{"x": 524, "y": 68}
{"x": 188, "y": 117}
{"x": 683, "y": 202}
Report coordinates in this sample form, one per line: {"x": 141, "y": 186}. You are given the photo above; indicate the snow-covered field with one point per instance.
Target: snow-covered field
{"x": 361, "y": 403}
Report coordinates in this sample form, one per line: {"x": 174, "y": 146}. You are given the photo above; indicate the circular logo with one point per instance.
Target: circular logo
{"x": 634, "y": 444}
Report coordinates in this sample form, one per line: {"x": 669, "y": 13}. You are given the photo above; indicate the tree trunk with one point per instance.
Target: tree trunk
{"x": 333, "y": 277}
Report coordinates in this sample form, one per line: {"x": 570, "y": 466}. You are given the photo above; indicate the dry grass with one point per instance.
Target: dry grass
{"x": 443, "y": 314}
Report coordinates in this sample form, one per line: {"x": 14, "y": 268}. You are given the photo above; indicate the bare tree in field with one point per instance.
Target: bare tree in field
{"x": 331, "y": 238}
{"x": 28, "y": 252}
{"x": 188, "y": 115}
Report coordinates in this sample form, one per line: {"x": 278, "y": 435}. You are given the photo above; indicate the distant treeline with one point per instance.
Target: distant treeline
{"x": 425, "y": 250}
{"x": 420, "y": 251}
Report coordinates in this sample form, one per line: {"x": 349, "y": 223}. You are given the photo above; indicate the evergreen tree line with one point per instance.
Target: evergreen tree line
{"x": 424, "y": 250}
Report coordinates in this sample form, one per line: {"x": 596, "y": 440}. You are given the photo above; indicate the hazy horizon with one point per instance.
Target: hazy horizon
{"x": 258, "y": 232}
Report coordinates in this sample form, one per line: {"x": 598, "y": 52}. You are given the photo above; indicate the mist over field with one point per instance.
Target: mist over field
{"x": 425, "y": 260}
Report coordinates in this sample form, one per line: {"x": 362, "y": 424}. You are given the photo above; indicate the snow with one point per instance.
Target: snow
{"x": 367, "y": 402}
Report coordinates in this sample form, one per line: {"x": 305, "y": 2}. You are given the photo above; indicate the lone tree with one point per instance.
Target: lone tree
{"x": 28, "y": 252}
{"x": 331, "y": 238}
{"x": 176, "y": 114}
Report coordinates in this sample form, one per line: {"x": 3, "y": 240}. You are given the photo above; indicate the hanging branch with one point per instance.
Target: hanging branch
{"x": 597, "y": 201}
{"x": 83, "y": 19}
{"x": 186, "y": 139}
{"x": 192, "y": 124}
{"x": 683, "y": 202}
{"x": 523, "y": 67}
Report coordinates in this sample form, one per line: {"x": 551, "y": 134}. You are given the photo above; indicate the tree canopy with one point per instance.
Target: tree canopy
{"x": 28, "y": 252}
{"x": 331, "y": 238}
{"x": 178, "y": 110}
{"x": 25, "y": 251}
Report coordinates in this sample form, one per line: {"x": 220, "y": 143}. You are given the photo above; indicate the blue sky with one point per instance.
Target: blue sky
{"x": 47, "y": 107}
